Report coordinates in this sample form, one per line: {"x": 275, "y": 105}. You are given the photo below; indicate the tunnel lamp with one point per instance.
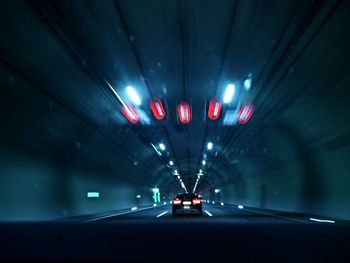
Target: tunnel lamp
{"x": 184, "y": 112}
{"x": 229, "y": 92}
{"x": 157, "y": 108}
{"x": 200, "y": 171}
{"x": 171, "y": 162}
{"x": 138, "y": 196}
{"x": 130, "y": 113}
{"x": 93, "y": 194}
{"x": 210, "y": 146}
{"x": 214, "y": 109}
{"x": 134, "y": 208}
{"x": 217, "y": 191}
{"x": 162, "y": 146}
{"x": 222, "y": 203}
{"x": 245, "y": 113}
{"x": 133, "y": 95}
{"x": 204, "y": 162}
{"x": 240, "y": 206}
{"x": 178, "y": 177}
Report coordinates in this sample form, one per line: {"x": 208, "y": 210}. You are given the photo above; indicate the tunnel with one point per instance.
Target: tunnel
{"x": 117, "y": 106}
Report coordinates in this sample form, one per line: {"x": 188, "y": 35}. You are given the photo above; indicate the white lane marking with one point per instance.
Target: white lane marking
{"x": 321, "y": 220}
{"x": 118, "y": 214}
{"x": 161, "y": 214}
{"x": 208, "y": 213}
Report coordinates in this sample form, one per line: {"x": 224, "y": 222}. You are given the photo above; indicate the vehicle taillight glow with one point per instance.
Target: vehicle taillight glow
{"x": 157, "y": 109}
{"x": 214, "y": 109}
{"x": 130, "y": 113}
{"x": 184, "y": 112}
{"x": 245, "y": 113}
{"x": 196, "y": 201}
{"x": 177, "y": 201}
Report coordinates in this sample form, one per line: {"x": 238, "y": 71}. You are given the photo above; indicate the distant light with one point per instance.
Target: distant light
{"x": 229, "y": 92}
{"x": 155, "y": 190}
{"x": 154, "y": 204}
{"x": 222, "y": 203}
{"x": 200, "y": 171}
{"x": 322, "y": 220}
{"x": 204, "y": 162}
{"x": 138, "y": 196}
{"x": 133, "y": 95}
{"x": 248, "y": 83}
{"x": 178, "y": 177}
{"x": 175, "y": 172}
{"x": 162, "y": 146}
{"x": 171, "y": 202}
{"x": 216, "y": 191}
{"x": 240, "y": 206}
{"x": 210, "y": 145}
{"x": 164, "y": 203}
{"x": 198, "y": 176}
{"x": 213, "y": 202}
{"x": 93, "y": 194}
{"x": 171, "y": 162}
{"x": 134, "y": 208}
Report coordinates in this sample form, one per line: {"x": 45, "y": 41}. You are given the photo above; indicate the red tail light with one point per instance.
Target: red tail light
{"x": 245, "y": 113}
{"x": 196, "y": 201}
{"x": 130, "y": 113}
{"x": 214, "y": 109}
{"x": 177, "y": 201}
{"x": 157, "y": 109}
{"x": 184, "y": 112}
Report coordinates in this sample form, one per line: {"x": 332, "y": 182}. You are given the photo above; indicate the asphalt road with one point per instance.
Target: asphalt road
{"x": 211, "y": 212}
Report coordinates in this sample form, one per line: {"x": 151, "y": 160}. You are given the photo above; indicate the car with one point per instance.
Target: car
{"x": 187, "y": 204}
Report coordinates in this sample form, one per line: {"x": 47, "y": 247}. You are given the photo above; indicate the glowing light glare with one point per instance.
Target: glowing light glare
{"x": 213, "y": 202}
{"x": 217, "y": 191}
{"x": 178, "y": 177}
{"x": 133, "y": 95}
{"x": 208, "y": 213}
{"x": 93, "y": 194}
{"x": 210, "y": 146}
{"x": 204, "y": 162}
{"x": 222, "y": 203}
{"x": 154, "y": 205}
{"x": 200, "y": 171}
{"x": 134, "y": 208}
{"x": 322, "y": 220}
{"x": 171, "y": 162}
{"x": 248, "y": 83}
{"x": 155, "y": 190}
{"x": 240, "y": 206}
{"x": 229, "y": 92}
{"x": 162, "y": 146}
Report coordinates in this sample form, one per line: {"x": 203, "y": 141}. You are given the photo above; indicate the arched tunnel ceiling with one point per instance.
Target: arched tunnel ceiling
{"x": 59, "y": 105}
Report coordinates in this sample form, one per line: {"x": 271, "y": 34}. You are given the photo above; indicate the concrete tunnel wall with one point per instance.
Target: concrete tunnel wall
{"x": 33, "y": 190}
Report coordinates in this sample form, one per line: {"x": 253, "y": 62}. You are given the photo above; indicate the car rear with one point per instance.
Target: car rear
{"x": 187, "y": 204}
